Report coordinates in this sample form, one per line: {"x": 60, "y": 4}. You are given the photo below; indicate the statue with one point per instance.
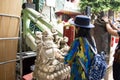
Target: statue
{"x": 49, "y": 60}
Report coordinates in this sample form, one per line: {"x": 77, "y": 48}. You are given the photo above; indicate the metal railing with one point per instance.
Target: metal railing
{"x": 40, "y": 22}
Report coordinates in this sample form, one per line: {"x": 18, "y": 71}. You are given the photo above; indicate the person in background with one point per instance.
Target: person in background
{"x": 80, "y": 49}
{"x": 102, "y": 37}
{"x": 116, "y": 62}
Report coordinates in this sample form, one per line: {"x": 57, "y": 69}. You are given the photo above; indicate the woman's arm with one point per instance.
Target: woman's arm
{"x": 114, "y": 26}
{"x": 111, "y": 31}
{"x": 109, "y": 28}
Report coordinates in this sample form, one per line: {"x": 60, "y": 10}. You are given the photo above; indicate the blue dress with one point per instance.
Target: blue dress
{"x": 79, "y": 49}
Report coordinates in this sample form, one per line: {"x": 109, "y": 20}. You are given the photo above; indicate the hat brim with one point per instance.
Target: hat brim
{"x": 89, "y": 26}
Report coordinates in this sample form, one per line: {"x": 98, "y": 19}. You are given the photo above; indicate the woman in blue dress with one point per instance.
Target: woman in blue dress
{"x": 80, "y": 48}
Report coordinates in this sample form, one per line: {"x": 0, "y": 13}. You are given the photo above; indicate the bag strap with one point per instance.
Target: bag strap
{"x": 83, "y": 68}
{"x": 93, "y": 49}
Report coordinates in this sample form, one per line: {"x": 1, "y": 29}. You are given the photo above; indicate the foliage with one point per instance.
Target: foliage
{"x": 100, "y": 5}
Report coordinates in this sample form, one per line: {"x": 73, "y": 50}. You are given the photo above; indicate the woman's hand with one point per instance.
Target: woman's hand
{"x": 105, "y": 18}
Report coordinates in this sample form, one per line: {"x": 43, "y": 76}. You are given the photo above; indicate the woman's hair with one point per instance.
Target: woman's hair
{"x": 83, "y": 32}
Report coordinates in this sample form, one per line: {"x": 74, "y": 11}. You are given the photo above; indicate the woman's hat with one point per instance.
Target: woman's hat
{"x": 82, "y": 21}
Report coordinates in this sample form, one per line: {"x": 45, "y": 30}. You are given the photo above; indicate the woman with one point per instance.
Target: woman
{"x": 116, "y": 62}
{"x": 80, "y": 48}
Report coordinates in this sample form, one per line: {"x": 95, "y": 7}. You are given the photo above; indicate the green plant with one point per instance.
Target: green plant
{"x": 100, "y": 5}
